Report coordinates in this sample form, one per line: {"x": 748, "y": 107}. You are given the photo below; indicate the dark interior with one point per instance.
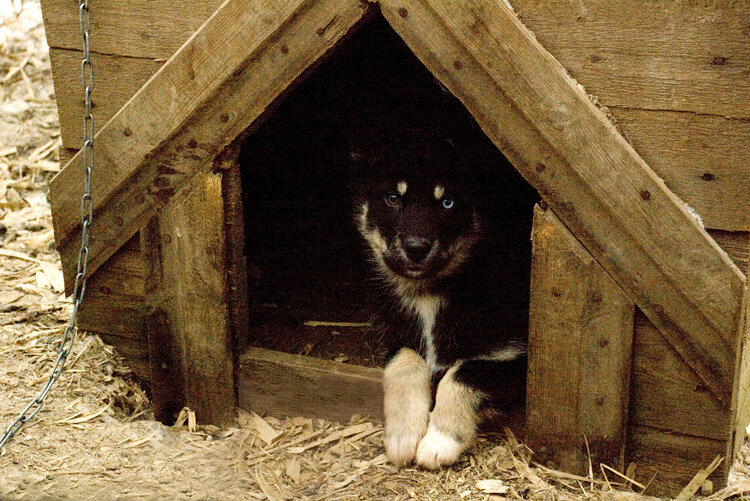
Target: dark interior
{"x": 305, "y": 259}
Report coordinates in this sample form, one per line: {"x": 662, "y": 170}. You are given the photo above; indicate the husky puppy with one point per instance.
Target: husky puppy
{"x": 454, "y": 359}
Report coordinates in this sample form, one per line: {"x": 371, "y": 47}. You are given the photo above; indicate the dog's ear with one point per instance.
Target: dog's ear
{"x": 364, "y": 154}
{"x": 364, "y": 150}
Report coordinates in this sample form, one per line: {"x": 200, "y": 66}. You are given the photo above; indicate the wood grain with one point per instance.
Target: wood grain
{"x": 153, "y": 29}
{"x": 703, "y": 159}
{"x": 283, "y": 384}
{"x": 190, "y": 340}
{"x": 236, "y": 253}
{"x": 668, "y": 460}
{"x": 580, "y": 337}
{"x": 737, "y": 246}
{"x": 588, "y": 174}
{"x": 667, "y": 395}
{"x": 117, "y": 79}
{"x": 741, "y": 404}
{"x": 114, "y": 301}
{"x": 162, "y": 137}
{"x": 134, "y": 351}
{"x": 680, "y": 56}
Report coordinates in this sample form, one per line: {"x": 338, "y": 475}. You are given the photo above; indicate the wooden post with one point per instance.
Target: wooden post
{"x": 580, "y": 342}
{"x": 236, "y": 256}
{"x": 186, "y": 290}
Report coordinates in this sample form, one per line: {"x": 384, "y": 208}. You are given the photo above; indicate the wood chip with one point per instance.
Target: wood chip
{"x": 624, "y": 477}
{"x": 265, "y": 432}
{"x": 140, "y": 441}
{"x": 267, "y": 488}
{"x": 293, "y": 469}
{"x": 346, "y": 432}
{"x": 492, "y": 486}
{"x": 692, "y": 487}
{"x": 18, "y": 255}
{"x": 85, "y": 418}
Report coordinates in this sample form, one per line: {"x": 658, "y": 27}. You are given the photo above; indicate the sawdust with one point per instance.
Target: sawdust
{"x": 95, "y": 437}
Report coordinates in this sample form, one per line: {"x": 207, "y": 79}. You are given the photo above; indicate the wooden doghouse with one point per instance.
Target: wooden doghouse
{"x": 637, "y": 325}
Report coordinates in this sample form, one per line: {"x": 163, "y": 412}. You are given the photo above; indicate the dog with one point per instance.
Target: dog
{"x": 454, "y": 359}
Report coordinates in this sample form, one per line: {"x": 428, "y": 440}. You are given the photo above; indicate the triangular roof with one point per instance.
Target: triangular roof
{"x": 246, "y": 54}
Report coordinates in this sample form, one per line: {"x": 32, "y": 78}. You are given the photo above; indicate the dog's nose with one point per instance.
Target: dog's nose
{"x": 417, "y": 248}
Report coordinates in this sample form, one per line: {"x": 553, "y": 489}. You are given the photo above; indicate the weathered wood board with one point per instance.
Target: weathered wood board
{"x": 189, "y": 336}
{"x": 741, "y": 404}
{"x": 153, "y": 29}
{"x": 704, "y": 159}
{"x": 680, "y": 56}
{"x": 684, "y": 132}
{"x": 118, "y": 78}
{"x": 580, "y": 342}
{"x": 668, "y": 395}
{"x": 283, "y": 384}
{"x": 115, "y": 294}
{"x": 670, "y": 460}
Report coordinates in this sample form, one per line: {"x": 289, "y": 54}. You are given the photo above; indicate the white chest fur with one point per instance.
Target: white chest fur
{"x": 426, "y": 308}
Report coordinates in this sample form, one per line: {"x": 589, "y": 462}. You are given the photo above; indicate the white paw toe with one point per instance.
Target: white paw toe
{"x": 401, "y": 447}
{"x": 438, "y": 449}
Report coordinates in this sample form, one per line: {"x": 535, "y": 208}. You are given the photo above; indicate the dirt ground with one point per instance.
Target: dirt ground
{"x": 95, "y": 437}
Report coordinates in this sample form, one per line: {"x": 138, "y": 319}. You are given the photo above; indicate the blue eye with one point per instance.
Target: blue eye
{"x": 392, "y": 199}
{"x": 448, "y": 203}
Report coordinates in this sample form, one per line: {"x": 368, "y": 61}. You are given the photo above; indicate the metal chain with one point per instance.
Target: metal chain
{"x": 87, "y": 216}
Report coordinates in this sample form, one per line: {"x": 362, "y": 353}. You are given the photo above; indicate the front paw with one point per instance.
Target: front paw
{"x": 406, "y": 405}
{"x": 438, "y": 449}
{"x": 401, "y": 438}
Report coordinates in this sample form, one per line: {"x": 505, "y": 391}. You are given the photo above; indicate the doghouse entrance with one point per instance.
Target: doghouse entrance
{"x": 306, "y": 263}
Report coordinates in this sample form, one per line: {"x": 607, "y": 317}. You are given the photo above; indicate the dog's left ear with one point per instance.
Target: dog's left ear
{"x": 360, "y": 170}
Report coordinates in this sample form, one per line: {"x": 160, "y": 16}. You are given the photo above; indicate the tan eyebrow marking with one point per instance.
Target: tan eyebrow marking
{"x": 401, "y": 188}
{"x": 439, "y": 191}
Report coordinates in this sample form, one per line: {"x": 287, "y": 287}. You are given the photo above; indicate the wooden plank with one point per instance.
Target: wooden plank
{"x": 283, "y": 384}
{"x": 580, "y": 336}
{"x": 667, "y": 395}
{"x": 670, "y": 460}
{"x": 189, "y": 339}
{"x": 154, "y": 144}
{"x": 589, "y": 175}
{"x": 66, "y": 154}
{"x": 114, "y": 301}
{"x": 704, "y": 159}
{"x": 741, "y": 404}
{"x": 706, "y": 165}
{"x": 682, "y": 56}
{"x": 736, "y": 245}
{"x": 134, "y": 351}
{"x": 114, "y": 316}
{"x": 117, "y": 79}
{"x": 717, "y": 146}
{"x": 633, "y": 52}
{"x": 153, "y": 29}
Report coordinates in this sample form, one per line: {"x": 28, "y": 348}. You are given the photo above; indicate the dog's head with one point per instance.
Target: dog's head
{"x": 416, "y": 208}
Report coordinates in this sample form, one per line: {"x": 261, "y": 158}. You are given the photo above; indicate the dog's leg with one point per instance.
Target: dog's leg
{"x": 453, "y": 422}
{"x": 465, "y": 391}
{"x": 406, "y": 404}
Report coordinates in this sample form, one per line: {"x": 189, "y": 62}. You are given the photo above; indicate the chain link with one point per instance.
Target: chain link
{"x": 87, "y": 216}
